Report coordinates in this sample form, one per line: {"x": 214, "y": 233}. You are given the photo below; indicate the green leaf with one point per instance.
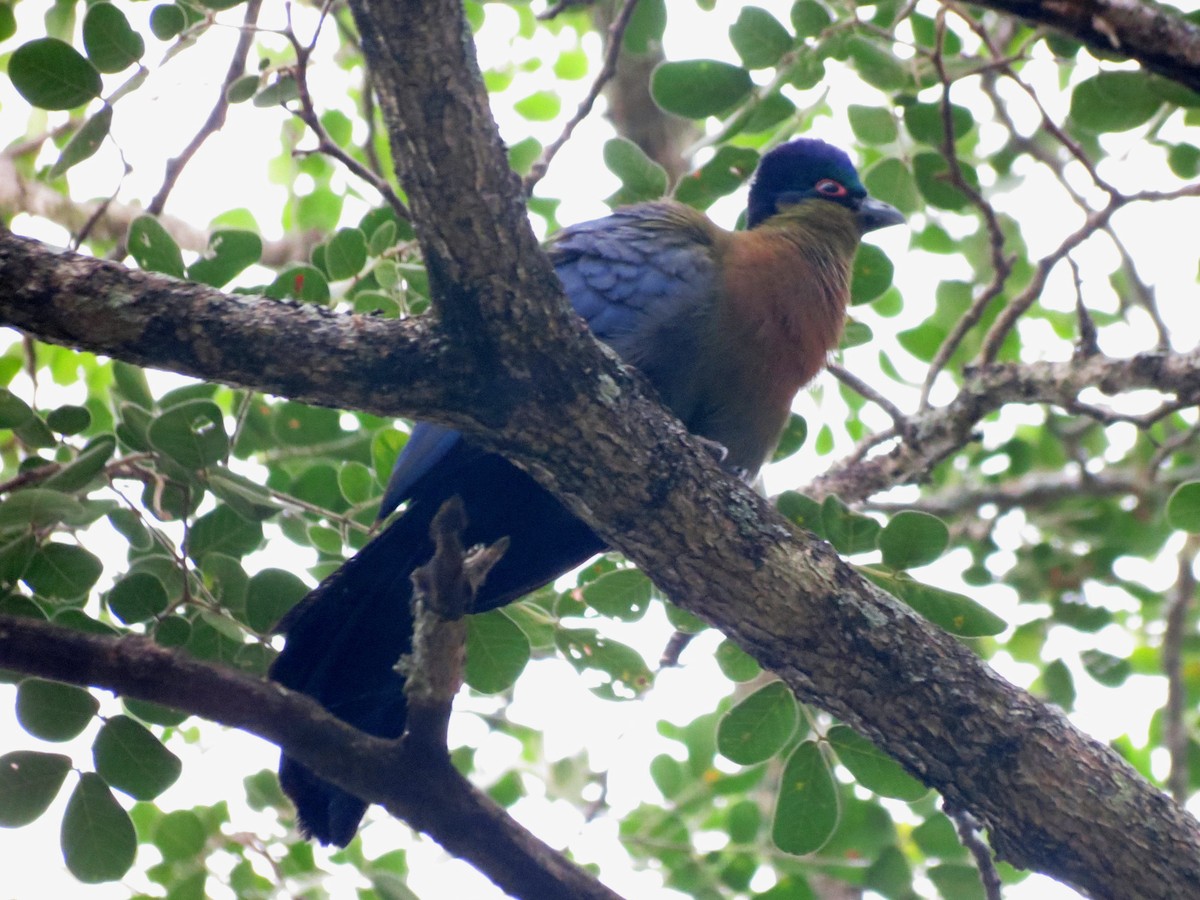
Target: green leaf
{"x": 913, "y": 538}
{"x": 191, "y": 433}
{"x": 345, "y": 254}
{"x": 848, "y": 531}
{"x": 249, "y": 499}
{"x": 1114, "y": 101}
{"x": 871, "y": 767}
{"x": 621, "y": 594}
{"x": 646, "y": 26}
{"x": 69, "y": 419}
{"x": 62, "y": 571}
{"x": 876, "y": 66}
{"x": 806, "y": 811}
{"x": 153, "y": 713}
{"x": 97, "y": 837}
{"x": 699, "y": 88}
{"x": 51, "y": 74}
{"x": 497, "y": 651}
{"x": 872, "y": 124}
{"x": 283, "y": 90}
{"x": 229, "y": 252}
{"x": 300, "y": 283}
{"x": 1109, "y": 670}
{"x": 626, "y": 673}
{"x": 356, "y": 482}
{"x": 29, "y": 782}
{"x": 958, "y": 881}
{"x": 892, "y": 181}
{"x": 809, "y": 18}
{"x": 540, "y": 106}
{"x": 802, "y": 510}
{"x": 166, "y": 21}
{"x": 759, "y": 38}
{"x": 53, "y": 711}
{"x": 14, "y": 412}
{"x": 795, "y": 433}
{"x": 872, "y": 274}
{"x": 890, "y": 874}
{"x": 935, "y": 181}
{"x": 180, "y": 835}
{"x": 130, "y": 381}
{"x": 924, "y": 122}
{"x": 85, "y": 142}
{"x": 223, "y": 531}
{"x": 952, "y": 611}
{"x": 131, "y": 527}
{"x": 723, "y": 174}
{"x": 937, "y": 837}
{"x": 111, "y": 44}
{"x": 1057, "y": 684}
{"x": 269, "y": 594}
{"x": 1183, "y": 507}
{"x": 242, "y": 89}
{"x": 571, "y": 65}
{"x": 153, "y": 247}
{"x": 8, "y": 22}
{"x": 760, "y": 726}
{"x": 641, "y": 177}
{"x": 131, "y": 759}
{"x": 736, "y": 663}
{"x": 137, "y": 597}
{"x": 38, "y": 508}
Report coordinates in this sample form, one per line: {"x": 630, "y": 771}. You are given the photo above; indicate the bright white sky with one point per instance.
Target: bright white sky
{"x": 618, "y": 738}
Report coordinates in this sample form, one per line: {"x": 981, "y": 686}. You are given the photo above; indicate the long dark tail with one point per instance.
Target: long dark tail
{"x": 343, "y": 642}
{"x": 344, "y": 639}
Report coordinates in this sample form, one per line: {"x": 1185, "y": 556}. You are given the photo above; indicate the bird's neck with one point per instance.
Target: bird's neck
{"x": 788, "y": 281}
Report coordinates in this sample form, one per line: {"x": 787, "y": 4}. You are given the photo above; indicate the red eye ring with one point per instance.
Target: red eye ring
{"x": 830, "y": 188}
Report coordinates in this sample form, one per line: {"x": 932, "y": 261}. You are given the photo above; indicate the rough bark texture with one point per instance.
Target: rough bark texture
{"x": 1156, "y": 36}
{"x": 1051, "y": 798}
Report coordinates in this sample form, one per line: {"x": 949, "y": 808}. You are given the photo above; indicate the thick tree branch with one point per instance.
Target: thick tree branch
{"x": 431, "y": 796}
{"x": 1151, "y": 33}
{"x": 297, "y": 350}
{"x": 1050, "y": 797}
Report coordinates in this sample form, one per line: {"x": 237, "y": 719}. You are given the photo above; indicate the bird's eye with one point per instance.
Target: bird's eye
{"x": 830, "y": 188}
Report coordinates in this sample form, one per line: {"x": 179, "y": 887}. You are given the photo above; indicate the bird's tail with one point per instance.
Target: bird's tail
{"x": 343, "y": 642}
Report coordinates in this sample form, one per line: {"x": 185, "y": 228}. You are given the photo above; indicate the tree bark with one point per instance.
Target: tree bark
{"x": 530, "y": 383}
{"x": 1155, "y": 35}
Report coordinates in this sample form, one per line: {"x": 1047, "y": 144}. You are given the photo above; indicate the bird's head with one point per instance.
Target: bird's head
{"x": 806, "y": 170}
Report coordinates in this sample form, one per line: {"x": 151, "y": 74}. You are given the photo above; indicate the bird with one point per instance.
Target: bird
{"x": 726, "y": 326}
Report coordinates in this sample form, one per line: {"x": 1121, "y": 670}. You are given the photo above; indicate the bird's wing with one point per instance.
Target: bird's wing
{"x": 427, "y": 446}
{"x": 626, "y": 274}
{"x": 636, "y": 269}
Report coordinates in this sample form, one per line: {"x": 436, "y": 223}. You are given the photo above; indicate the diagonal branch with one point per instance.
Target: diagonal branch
{"x": 1153, "y": 34}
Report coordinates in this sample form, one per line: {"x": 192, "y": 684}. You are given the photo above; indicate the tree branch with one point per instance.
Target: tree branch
{"x": 431, "y": 796}
{"x": 1154, "y": 35}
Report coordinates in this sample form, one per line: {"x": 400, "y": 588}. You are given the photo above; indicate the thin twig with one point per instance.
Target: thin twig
{"x": 852, "y": 381}
{"x": 307, "y": 114}
{"x": 1002, "y": 265}
{"x": 614, "y": 38}
{"x": 968, "y": 832}
{"x": 216, "y": 118}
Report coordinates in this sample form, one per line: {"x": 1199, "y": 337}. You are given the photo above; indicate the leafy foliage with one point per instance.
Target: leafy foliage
{"x": 1050, "y": 536}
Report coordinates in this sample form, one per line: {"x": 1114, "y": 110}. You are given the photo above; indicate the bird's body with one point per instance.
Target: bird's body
{"x": 727, "y": 327}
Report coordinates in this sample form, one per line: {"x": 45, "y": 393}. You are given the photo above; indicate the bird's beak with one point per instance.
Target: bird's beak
{"x": 872, "y": 214}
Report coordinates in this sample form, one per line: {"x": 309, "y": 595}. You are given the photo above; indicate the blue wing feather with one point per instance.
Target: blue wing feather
{"x": 627, "y": 275}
